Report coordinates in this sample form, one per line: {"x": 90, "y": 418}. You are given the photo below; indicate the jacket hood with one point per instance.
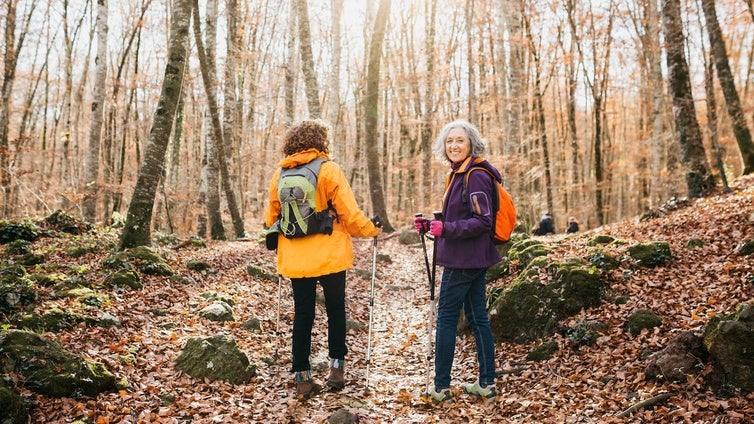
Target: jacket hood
{"x": 301, "y": 158}
{"x": 475, "y": 162}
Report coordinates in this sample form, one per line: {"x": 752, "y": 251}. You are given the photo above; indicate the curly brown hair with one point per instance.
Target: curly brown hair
{"x": 307, "y": 134}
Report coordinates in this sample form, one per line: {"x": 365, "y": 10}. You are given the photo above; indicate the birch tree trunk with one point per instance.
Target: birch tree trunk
{"x": 307, "y": 59}
{"x": 725, "y": 77}
{"x": 512, "y": 11}
{"x": 371, "y": 109}
{"x": 429, "y": 109}
{"x": 698, "y": 178}
{"x": 91, "y": 165}
{"x": 138, "y": 220}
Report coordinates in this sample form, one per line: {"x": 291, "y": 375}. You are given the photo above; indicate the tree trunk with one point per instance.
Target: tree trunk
{"x": 212, "y": 170}
{"x": 334, "y": 83}
{"x": 206, "y": 64}
{"x": 709, "y": 91}
{"x": 429, "y": 110}
{"x": 372, "y": 114}
{"x": 290, "y": 70}
{"x": 725, "y": 76}
{"x": 472, "y": 100}
{"x": 91, "y": 165}
{"x": 307, "y": 59}
{"x": 698, "y": 178}
{"x": 138, "y": 220}
{"x": 516, "y": 97}
{"x": 10, "y": 59}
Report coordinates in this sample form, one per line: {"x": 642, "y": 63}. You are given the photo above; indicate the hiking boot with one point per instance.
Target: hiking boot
{"x": 305, "y": 385}
{"x": 337, "y": 378}
{"x": 487, "y": 392}
{"x": 439, "y": 396}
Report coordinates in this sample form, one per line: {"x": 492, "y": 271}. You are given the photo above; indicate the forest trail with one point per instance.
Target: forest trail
{"x": 585, "y": 384}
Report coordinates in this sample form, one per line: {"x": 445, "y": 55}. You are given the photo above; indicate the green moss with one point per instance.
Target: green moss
{"x": 651, "y": 254}
{"x": 542, "y": 352}
{"x": 125, "y": 278}
{"x": 642, "y": 319}
{"x": 262, "y": 273}
{"x": 49, "y": 370}
{"x": 142, "y": 258}
{"x": 528, "y": 309}
{"x": 600, "y": 239}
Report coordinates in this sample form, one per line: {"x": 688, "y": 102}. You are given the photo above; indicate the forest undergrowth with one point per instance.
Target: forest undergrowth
{"x": 586, "y": 384}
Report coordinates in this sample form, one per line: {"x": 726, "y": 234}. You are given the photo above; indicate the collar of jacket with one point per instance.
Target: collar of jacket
{"x": 468, "y": 163}
{"x": 301, "y": 158}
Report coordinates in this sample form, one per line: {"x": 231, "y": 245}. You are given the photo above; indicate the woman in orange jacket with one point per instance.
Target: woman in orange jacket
{"x": 322, "y": 258}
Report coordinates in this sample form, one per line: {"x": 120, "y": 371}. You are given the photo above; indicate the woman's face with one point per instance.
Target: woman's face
{"x": 457, "y": 145}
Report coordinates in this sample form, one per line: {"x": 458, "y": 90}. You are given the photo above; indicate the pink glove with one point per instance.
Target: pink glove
{"x": 435, "y": 228}
{"x": 421, "y": 224}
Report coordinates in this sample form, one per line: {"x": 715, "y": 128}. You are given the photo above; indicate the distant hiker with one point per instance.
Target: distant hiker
{"x": 307, "y": 258}
{"x": 465, "y": 250}
{"x": 545, "y": 225}
{"x": 573, "y": 225}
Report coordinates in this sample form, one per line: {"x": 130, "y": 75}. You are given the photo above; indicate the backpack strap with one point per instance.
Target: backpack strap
{"x": 465, "y": 187}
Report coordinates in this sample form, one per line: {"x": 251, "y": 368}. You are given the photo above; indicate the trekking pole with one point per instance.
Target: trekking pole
{"x": 277, "y": 322}
{"x": 371, "y": 309}
{"x": 431, "y": 305}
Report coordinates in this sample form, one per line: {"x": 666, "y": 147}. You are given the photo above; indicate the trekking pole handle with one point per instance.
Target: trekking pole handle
{"x": 438, "y": 215}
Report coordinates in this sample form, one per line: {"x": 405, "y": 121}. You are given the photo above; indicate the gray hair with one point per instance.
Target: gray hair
{"x": 478, "y": 144}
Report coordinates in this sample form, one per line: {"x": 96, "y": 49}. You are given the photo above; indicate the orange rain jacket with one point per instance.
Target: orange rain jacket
{"x": 320, "y": 254}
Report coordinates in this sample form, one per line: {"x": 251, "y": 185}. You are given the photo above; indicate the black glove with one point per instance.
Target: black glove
{"x": 377, "y": 221}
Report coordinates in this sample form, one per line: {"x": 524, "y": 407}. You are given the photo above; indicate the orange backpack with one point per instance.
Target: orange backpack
{"x": 504, "y": 212}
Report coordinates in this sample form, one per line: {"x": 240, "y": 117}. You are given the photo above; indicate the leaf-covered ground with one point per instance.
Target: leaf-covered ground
{"x": 584, "y": 385}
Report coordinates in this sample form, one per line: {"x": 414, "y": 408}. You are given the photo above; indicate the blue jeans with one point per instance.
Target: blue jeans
{"x": 304, "y": 299}
{"x": 463, "y": 288}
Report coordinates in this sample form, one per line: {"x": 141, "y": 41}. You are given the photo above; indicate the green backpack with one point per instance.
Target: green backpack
{"x": 297, "y": 191}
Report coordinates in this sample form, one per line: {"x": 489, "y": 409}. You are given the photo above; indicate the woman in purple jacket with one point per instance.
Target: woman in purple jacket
{"x": 465, "y": 249}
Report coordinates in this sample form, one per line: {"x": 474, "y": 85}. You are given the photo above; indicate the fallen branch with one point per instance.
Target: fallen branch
{"x": 645, "y": 403}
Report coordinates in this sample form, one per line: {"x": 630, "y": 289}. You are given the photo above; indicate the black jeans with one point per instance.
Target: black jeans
{"x": 304, "y": 298}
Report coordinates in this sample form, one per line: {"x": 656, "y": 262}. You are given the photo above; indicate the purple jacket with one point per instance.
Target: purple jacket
{"x": 466, "y": 241}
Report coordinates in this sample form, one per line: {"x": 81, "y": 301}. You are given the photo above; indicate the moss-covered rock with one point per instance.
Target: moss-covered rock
{"x": 409, "y": 237}
{"x": 600, "y": 239}
{"x": 747, "y": 248}
{"x": 212, "y": 296}
{"x": 47, "y": 369}
{"x": 218, "y": 311}
{"x": 12, "y": 407}
{"x": 54, "y": 320}
{"x": 66, "y": 223}
{"x": 142, "y": 258}
{"x": 16, "y": 289}
{"x": 528, "y": 308}
{"x": 253, "y": 324}
{"x": 125, "y": 278}
{"x": 602, "y": 260}
{"x": 730, "y": 342}
{"x": 499, "y": 270}
{"x": 542, "y": 352}
{"x": 18, "y": 247}
{"x": 197, "y": 265}
{"x": 215, "y": 358}
{"x": 642, "y": 319}
{"x": 651, "y": 254}
{"x": 694, "y": 243}
{"x": 260, "y": 272}
{"x": 23, "y": 230}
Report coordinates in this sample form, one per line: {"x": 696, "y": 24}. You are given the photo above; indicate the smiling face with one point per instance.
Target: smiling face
{"x": 457, "y": 145}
